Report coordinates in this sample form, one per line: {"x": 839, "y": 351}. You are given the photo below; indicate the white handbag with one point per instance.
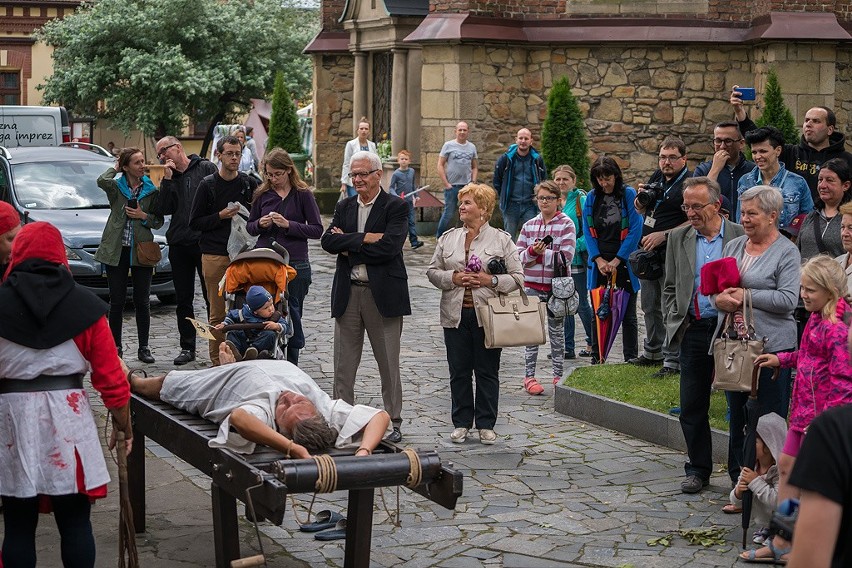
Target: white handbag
{"x": 513, "y": 321}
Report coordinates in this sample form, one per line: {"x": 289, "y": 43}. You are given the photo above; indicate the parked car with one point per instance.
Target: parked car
{"x": 59, "y": 185}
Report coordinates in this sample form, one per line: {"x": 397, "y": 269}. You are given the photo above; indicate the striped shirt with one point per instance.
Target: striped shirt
{"x": 538, "y": 269}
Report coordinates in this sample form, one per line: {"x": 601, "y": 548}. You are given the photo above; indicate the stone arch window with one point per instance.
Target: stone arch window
{"x": 382, "y": 88}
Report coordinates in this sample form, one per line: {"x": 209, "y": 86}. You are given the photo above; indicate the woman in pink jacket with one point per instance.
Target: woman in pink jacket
{"x": 823, "y": 372}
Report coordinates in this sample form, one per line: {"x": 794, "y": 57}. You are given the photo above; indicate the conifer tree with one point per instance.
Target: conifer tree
{"x": 563, "y": 135}
{"x": 284, "y": 123}
{"x": 775, "y": 112}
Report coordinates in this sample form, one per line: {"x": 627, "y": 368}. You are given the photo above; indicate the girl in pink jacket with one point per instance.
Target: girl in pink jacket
{"x": 823, "y": 371}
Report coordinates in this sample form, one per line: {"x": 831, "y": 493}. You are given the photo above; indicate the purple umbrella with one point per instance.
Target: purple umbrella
{"x": 618, "y": 306}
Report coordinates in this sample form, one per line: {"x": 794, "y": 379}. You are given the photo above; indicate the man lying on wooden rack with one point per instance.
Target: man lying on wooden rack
{"x": 267, "y": 402}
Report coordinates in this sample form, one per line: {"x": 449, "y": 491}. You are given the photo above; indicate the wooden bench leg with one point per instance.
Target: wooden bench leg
{"x": 226, "y": 536}
{"x": 359, "y": 528}
{"x": 136, "y": 480}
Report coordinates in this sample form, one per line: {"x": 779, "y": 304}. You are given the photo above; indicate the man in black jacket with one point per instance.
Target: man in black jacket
{"x": 370, "y": 288}
{"x": 728, "y": 163}
{"x": 216, "y": 202}
{"x": 820, "y": 142}
{"x": 181, "y": 177}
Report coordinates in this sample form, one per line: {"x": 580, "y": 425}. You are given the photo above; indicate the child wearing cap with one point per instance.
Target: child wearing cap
{"x": 254, "y": 343}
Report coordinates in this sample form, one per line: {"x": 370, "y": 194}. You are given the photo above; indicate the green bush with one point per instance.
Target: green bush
{"x": 563, "y": 135}
{"x": 775, "y": 112}
{"x": 284, "y": 123}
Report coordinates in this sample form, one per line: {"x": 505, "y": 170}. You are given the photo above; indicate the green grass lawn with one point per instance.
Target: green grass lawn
{"x": 635, "y": 385}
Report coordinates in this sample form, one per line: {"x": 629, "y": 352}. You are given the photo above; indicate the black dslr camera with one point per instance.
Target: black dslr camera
{"x": 650, "y": 194}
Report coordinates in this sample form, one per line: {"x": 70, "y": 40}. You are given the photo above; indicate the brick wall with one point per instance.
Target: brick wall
{"x": 331, "y": 12}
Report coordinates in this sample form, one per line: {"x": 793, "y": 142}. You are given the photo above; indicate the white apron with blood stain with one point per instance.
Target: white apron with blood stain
{"x": 42, "y": 434}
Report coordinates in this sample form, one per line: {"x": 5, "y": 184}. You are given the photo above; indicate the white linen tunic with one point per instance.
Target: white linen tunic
{"x": 255, "y": 386}
{"x": 41, "y": 431}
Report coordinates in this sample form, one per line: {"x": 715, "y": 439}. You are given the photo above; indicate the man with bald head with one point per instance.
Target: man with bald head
{"x": 516, "y": 174}
{"x": 181, "y": 177}
{"x": 820, "y": 142}
{"x": 457, "y": 167}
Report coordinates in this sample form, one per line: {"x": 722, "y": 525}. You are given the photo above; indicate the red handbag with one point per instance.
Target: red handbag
{"x": 717, "y": 275}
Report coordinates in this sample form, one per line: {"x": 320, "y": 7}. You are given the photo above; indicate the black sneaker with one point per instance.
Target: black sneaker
{"x": 693, "y": 484}
{"x": 643, "y": 361}
{"x": 145, "y": 356}
{"x": 416, "y": 244}
{"x": 570, "y": 355}
{"x": 186, "y": 356}
{"x": 665, "y": 372}
{"x": 394, "y": 437}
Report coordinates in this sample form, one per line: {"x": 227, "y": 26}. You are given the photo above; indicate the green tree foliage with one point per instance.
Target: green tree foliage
{"x": 775, "y": 112}
{"x": 563, "y": 135}
{"x": 284, "y": 123}
{"x": 149, "y": 64}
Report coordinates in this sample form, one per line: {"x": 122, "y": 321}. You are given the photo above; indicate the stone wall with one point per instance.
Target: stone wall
{"x": 843, "y": 90}
{"x": 632, "y": 96}
{"x": 333, "y": 81}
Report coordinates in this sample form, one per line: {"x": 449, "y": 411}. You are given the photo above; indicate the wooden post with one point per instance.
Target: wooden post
{"x": 225, "y": 530}
{"x": 359, "y": 529}
{"x": 136, "y": 479}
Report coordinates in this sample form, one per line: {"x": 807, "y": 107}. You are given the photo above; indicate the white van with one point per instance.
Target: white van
{"x": 33, "y": 126}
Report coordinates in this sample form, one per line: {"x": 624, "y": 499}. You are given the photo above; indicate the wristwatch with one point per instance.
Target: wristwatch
{"x": 494, "y": 281}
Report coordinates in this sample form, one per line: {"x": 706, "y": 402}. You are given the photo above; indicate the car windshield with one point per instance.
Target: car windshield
{"x": 60, "y": 185}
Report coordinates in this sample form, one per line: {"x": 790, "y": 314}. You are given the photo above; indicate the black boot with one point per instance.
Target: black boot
{"x": 145, "y": 355}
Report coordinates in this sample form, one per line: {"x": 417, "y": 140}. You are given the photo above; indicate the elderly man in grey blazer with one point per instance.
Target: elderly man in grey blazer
{"x": 691, "y": 317}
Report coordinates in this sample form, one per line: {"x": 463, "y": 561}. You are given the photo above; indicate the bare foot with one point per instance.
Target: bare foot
{"x": 225, "y": 354}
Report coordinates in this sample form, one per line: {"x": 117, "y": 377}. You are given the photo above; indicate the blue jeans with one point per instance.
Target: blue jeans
{"x": 585, "y": 313}
{"x": 696, "y": 378}
{"x": 262, "y": 341}
{"x": 297, "y": 291}
{"x": 412, "y": 224}
{"x": 770, "y": 398}
{"x": 515, "y": 215}
{"x": 451, "y": 204}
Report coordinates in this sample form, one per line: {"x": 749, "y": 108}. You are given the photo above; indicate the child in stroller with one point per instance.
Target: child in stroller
{"x": 268, "y": 271}
{"x": 253, "y": 343}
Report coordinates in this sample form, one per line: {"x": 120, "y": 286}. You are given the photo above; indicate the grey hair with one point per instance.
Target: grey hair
{"x": 375, "y": 161}
{"x": 769, "y": 199}
{"x": 714, "y": 190}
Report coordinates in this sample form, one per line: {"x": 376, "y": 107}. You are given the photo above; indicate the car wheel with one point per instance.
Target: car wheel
{"x": 167, "y": 298}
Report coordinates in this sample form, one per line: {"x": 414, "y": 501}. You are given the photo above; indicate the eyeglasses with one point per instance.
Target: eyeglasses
{"x": 356, "y": 175}
{"x": 695, "y": 208}
{"x": 162, "y": 151}
{"x": 725, "y": 141}
{"x": 232, "y": 154}
{"x": 276, "y": 175}
{"x": 670, "y": 159}
{"x": 546, "y": 198}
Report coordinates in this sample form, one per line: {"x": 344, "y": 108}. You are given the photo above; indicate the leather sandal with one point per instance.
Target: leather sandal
{"x": 532, "y": 386}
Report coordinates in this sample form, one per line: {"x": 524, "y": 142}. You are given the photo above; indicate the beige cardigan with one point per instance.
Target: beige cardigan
{"x": 449, "y": 258}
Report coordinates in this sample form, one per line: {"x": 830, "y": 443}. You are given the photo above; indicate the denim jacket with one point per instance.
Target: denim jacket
{"x": 794, "y": 190}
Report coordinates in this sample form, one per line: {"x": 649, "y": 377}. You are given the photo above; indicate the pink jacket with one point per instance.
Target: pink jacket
{"x": 823, "y": 368}
{"x": 538, "y": 269}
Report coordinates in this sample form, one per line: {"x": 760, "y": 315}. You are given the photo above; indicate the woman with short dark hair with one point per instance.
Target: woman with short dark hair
{"x": 613, "y": 229}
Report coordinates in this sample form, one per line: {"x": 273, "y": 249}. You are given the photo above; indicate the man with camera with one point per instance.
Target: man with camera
{"x": 660, "y": 202}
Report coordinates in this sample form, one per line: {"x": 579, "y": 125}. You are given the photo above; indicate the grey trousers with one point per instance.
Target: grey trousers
{"x": 384, "y": 333}
{"x": 656, "y": 345}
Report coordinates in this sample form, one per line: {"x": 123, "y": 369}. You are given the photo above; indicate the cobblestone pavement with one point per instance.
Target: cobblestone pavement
{"x": 553, "y": 491}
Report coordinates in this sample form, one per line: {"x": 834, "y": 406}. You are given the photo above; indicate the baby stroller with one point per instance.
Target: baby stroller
{"x": 267, "y": 267}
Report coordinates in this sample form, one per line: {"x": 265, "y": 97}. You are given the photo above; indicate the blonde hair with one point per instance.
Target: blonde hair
{"x": 826, "y": 273}
{"x": 483, "y": 195}
{"x": 564, "y": 168}
{"x": 548, "y": 185}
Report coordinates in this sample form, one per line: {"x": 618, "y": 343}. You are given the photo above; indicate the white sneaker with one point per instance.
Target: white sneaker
{"x": 459, "y": 435}
{"x": 487, "y": 437}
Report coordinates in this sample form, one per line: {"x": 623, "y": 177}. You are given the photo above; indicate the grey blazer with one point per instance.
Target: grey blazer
{"x": 680, "y": 272}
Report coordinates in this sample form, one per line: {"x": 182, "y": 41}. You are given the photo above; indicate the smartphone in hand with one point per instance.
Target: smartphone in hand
{"x": 133, "y": 203}
{"x": 747, "y": 93}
